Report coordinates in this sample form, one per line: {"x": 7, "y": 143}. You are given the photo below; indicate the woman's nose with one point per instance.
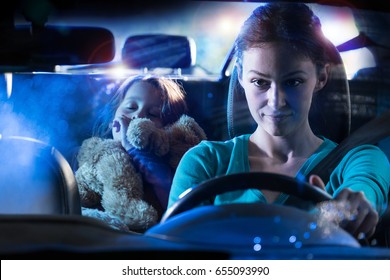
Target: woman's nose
{"x": 276, "y": 97}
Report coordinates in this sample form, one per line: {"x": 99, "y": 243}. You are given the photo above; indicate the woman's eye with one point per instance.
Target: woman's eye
{"x": 294, "y": 82}
{"x": 261, "y": 83}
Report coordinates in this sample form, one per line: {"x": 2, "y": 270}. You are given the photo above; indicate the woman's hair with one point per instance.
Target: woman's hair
{"x": 291, "y": 23}
{"x": 172, "y": 95}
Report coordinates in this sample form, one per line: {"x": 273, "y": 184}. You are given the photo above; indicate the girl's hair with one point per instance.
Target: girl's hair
{"x": 291, "y": 23}
{"x": 172, "y": 95}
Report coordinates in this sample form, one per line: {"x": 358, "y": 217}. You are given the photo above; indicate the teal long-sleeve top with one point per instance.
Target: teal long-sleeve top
{"x": 365, "y": 168}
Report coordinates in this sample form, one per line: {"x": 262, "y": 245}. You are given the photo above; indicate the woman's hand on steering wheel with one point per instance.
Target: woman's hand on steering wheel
{"x": 363, "y": 218}
{"x": 316, "y": 181}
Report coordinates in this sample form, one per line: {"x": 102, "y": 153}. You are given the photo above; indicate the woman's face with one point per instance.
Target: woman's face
{"x": 142, "y": 100}
{"x": 279, "y": 86}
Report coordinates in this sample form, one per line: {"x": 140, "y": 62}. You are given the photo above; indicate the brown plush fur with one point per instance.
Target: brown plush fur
{"x": 107, "y": 179}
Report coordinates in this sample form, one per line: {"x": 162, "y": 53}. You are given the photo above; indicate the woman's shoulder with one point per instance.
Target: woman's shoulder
{"x": 224, "y": 145}
{"x": 368, "y": 151}
{"x": 220, "y": 149}
{"x": 358, "y": 152}
{"x": 327, "y": 144}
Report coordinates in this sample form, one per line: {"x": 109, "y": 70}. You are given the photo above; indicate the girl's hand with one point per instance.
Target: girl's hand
{"x": 119, "y": 128}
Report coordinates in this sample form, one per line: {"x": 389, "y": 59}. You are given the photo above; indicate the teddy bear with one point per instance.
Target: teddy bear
{"x": 110, "y": 182}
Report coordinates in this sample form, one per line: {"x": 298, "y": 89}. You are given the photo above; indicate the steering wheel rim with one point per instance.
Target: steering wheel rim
{"x": 243, "y": 181}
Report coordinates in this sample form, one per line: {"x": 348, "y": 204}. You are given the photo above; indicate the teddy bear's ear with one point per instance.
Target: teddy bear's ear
{"x": 183, "y": 135}
{"x": 197, "y": 131}
{"x": 188, "y": 130}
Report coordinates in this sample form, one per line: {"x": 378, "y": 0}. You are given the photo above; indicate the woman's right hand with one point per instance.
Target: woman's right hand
{"x": 119, "y": 129}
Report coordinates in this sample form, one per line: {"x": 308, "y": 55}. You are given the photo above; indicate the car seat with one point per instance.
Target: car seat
{"x": 330, "y": 113}
{"x": 35, "y": 179}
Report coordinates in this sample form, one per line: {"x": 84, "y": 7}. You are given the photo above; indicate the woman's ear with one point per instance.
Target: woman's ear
{"x": 322, "y": 77}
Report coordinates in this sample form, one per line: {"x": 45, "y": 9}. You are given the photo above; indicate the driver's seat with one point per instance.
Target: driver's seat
{"x": 330, "y": 113}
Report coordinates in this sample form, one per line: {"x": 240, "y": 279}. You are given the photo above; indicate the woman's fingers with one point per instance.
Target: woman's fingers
{"x": 361, "y": 218}
{"x": 316, "y": 181}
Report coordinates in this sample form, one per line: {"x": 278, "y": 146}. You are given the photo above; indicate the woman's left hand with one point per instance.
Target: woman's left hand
{"x": 360, "y": 217}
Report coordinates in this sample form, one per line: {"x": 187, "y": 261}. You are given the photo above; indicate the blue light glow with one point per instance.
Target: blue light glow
{"x": 292, "y": 239}
{"x": 298, "y": 244}
{"x": 257, "y": 239}
{"x": 257, "y": 247}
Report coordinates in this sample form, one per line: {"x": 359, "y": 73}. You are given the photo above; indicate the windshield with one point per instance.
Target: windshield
{"x": 214, "y": 26}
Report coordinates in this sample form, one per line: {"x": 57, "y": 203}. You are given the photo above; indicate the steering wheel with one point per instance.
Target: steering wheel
{"x": 250, "y": 226}
{"x": 242, "y": 181}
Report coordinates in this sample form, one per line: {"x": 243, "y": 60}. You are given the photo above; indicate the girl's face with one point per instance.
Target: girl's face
{"x": 142, "y": 100}
{"x": 279, "y": 86}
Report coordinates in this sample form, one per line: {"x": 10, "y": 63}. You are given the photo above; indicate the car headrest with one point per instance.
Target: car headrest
{"x": 35, "y": 179}
{"x": 159, "y": 51}
{"x": 330, "y": 113}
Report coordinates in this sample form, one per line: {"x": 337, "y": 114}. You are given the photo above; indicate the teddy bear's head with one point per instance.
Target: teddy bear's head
{"x": 173, "y": 140}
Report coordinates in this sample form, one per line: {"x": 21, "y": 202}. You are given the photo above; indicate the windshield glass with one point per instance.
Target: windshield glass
{"x": 213, "y": 26}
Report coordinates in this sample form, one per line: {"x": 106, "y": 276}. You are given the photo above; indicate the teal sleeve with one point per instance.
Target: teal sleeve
{"x": 365, "y": 168}
{"x": 196, "y": 166}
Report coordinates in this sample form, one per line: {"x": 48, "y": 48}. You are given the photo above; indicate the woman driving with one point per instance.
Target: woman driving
{"x": 282, "y": 63}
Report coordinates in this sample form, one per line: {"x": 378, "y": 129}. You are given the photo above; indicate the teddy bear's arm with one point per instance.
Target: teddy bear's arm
{"x": 156, "y": 173}
{"x": 89, "y": 188}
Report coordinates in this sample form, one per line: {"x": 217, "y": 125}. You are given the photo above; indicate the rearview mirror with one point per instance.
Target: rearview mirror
{"x": 23, "y": 50}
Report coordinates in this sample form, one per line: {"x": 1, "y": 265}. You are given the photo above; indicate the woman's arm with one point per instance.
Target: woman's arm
{"x": 361, "y": 183}
{"x": 196, "y": 166}
{"x": 364, "y": 169}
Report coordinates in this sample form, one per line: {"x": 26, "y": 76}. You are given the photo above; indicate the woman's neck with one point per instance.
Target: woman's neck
{"x": 299, "y": 144}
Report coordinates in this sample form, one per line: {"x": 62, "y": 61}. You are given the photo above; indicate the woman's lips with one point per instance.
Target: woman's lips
{"x": 277, "y": 117}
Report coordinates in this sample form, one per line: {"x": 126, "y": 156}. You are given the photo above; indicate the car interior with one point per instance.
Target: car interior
{"x": 54, "y": 80}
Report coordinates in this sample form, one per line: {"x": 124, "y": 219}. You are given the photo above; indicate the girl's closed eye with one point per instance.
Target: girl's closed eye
{"x": 131, "y": 106}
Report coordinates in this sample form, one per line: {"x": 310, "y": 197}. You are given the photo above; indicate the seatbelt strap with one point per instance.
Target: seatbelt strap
{"x": 370, "y": 133}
